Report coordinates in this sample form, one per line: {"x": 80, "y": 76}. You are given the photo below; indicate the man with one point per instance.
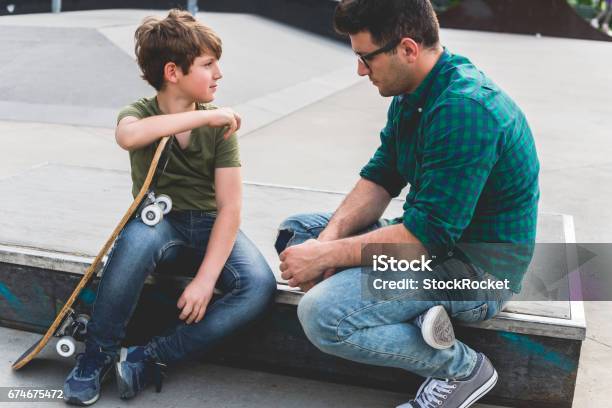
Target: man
{"x": 468, "y": 154}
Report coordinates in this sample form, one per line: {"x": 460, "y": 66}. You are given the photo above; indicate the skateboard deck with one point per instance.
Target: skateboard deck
{"x": 67, "y": 311}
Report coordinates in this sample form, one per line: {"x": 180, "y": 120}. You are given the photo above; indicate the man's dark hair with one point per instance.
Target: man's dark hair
{"x": 389, "y": 20}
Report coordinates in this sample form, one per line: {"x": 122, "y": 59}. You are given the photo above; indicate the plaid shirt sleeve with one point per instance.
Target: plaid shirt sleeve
{"x": 382, "y": 167}
{"x": 461, "y": 143}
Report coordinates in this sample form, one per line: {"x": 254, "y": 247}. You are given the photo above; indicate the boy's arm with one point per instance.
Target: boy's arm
{"x": 133, "y": 133}
{"x": 228, "y": 194}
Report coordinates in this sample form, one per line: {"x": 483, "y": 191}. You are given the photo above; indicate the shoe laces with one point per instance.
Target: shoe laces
{"x": 90, "y": 361}
{"x": 435, "y": 393}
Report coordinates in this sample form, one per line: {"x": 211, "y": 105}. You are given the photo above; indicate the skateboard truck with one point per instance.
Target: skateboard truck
{"x": 73, "y": 329}
{"x": 154, "y": 208}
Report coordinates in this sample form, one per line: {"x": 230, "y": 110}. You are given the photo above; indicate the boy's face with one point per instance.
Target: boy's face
{"x": 201, "y": 82}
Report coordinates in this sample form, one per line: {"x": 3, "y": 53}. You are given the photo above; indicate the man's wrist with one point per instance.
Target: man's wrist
{"x": 327, "y": 235}
{"x": 328, "y": 254}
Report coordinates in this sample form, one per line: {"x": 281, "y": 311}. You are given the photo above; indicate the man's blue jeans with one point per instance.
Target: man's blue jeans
{"x": 246, "y": 281}
{"x": 338, "y": 319}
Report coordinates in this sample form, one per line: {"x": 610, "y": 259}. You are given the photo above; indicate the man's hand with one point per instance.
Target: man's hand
{"x": 306, "y": 286}
{"x": 224, "y": 117}
{"x": 194, "y": 301}
{"x": 303, "y": 264}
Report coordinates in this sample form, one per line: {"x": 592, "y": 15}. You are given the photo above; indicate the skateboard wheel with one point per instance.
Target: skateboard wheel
{"x": 151, "y": 215}
{"x": 66, "y": 346}
{"x": 164, "y": 202}
{"x": 82, "y": 320}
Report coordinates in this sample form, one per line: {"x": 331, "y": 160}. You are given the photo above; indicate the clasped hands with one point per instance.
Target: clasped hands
{"x": 306, "y": 264}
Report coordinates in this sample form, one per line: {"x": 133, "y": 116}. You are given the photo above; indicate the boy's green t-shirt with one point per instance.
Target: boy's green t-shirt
{"x": 189, "y": 178}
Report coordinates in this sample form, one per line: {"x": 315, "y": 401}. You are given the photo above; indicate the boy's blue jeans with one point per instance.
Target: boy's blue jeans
{"x": 246, "y": 281}
{"x": 338, "y": 319}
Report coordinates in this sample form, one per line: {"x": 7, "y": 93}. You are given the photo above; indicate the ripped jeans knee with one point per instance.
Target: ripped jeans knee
{"x": 299, "y": 228}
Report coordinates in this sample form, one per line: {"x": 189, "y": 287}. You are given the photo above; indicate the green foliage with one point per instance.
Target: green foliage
{"x": 442, "y": 5}
{"x": 586, "y": 8}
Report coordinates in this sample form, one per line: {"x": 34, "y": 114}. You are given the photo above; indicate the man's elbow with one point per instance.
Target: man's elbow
{"x": 409, "y": 238}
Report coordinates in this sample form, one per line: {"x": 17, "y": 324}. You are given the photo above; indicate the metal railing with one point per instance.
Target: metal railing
{"x": 56, "y": 6}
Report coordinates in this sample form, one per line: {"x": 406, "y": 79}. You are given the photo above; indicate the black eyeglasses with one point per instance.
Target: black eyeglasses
{"x": 385, "y": 48}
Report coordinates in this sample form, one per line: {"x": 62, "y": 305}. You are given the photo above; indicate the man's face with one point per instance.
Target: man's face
{"x": 387, "y": 71}
{"x": 201, "y": 81}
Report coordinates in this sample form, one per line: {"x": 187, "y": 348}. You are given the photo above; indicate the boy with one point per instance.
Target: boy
{"x": 179, "y": 57}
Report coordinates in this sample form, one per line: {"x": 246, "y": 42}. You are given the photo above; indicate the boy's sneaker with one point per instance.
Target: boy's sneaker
{"x": 436, "y": 328}
{"x": 82, "y": 386}
{"x": 595, "y": 23}
{"x": 464, "y": 393}
{"x": 135, "y": 370}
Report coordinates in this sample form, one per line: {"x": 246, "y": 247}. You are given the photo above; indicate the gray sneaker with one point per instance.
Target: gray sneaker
{"x": 436, "y": 328}
{"x": 464, "y": 393}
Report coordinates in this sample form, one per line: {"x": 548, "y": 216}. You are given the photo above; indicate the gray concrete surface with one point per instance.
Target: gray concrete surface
{"x": 313, "y": 123}
{"x": 191, "y": 385}
{"x": 78, "y": 217}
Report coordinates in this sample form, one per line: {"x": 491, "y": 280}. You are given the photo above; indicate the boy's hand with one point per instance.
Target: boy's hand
{"x": 194, "y": 301}
{"x": 224, "y": 117}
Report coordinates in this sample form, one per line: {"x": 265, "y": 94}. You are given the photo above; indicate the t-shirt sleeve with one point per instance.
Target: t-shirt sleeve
{"x": 136, "y": 109}
{"x": 227, "y": 152}
{"x": 382, "y": 167}
{"x": 461, "y": 147}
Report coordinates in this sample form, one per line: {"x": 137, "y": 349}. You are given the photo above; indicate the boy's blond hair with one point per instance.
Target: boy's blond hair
{"x": 178, "y": 38}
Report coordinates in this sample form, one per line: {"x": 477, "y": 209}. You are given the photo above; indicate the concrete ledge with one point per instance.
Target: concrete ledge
{"x": 510, "y": 320}
{"x": 535, "y": 370}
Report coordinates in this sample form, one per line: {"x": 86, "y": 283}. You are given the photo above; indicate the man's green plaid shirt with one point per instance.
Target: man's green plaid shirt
{"x": 469, "y": 156}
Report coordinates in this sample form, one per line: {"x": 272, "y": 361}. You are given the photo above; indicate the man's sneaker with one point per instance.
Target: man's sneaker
{"x": 82, "y": 386}
{"x": 595, "y": 23}
{"x": 436, "y": 328}
{"x": 135, "y": 370}
{"x": 464, "y": 393}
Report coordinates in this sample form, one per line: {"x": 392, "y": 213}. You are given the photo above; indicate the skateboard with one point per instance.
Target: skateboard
{"x": 70, "y": 326}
